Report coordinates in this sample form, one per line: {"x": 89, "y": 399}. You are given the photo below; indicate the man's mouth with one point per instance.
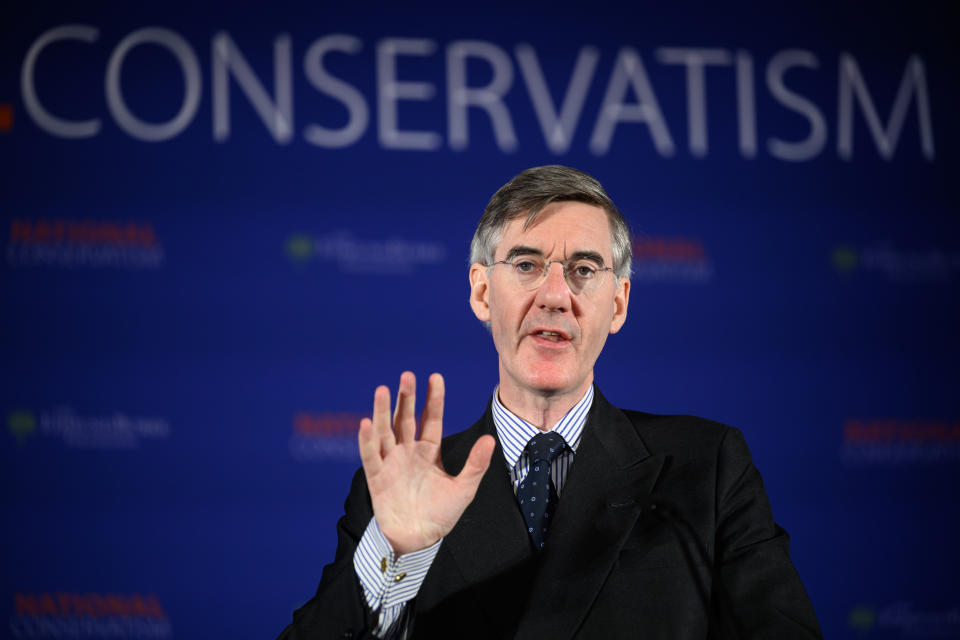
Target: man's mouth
{"x": 553, "y": 336}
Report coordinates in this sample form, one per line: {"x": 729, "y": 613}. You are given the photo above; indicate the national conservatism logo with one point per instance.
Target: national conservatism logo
{"x": 325, "y": 436}
{"x": 671, "y": 259}
{"x": 123, "y": 616}
{"x": 83, "y": 243}
{"x": 898, "y": 441}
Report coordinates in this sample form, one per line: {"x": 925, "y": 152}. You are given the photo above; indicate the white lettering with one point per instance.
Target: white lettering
{"x": 628, "y": 72}
{"x": 628, "y": 97}
{"x": 43, "y": 118}
{"x": 852, "y": 85}
{"x": 359, "y": 114}
{"x": 181, "y": 50}
{"x": 488, "y": 98}
{"x": 695, "y": 60}
{"x": 814, "y": 143}
{"x": 276, "y": 116}
{"x": 557, "y": 131}
{"x": 746, "y": 105}
{"x": 390, "y": 91}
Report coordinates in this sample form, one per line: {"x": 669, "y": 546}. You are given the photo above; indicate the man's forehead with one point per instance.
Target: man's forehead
{"x": 561, "y": 230}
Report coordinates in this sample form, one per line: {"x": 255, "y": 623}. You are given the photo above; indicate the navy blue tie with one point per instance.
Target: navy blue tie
{"x": 537, "y": 495}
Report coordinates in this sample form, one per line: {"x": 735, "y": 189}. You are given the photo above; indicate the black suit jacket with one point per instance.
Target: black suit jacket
{"x": 663, "y": 531}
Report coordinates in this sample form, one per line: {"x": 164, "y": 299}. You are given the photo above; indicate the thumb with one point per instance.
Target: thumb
{"x": 477, "y": 462}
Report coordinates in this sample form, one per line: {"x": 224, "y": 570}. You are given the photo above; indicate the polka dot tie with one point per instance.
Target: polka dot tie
{"x": 537, "y": 495}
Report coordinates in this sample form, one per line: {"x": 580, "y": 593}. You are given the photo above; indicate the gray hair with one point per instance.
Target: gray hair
{"x": 529, "y": 192}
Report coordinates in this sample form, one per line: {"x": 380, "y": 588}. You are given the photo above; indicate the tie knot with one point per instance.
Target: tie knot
{"x": 545, "y": 446}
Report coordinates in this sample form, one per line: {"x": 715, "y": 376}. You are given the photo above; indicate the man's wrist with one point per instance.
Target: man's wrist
{"x": 389, "y": 578}
{"x": 399, "y": 550}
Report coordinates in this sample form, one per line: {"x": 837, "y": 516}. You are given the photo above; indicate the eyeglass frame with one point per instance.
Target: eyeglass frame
{"x": 545, "y": 270}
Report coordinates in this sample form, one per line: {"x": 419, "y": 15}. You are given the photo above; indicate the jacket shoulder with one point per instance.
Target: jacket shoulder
{"x": 677, "y": 433}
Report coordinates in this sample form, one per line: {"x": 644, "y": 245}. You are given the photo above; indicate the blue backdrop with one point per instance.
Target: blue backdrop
{"x": 224, "y": 224}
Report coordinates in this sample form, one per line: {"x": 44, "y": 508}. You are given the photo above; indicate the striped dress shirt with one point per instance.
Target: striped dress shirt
{"x": 514, "y": 433}
{"x": 390, "y": 581}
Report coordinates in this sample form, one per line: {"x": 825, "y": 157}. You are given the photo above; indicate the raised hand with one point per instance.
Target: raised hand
{"x": 414, "y": 500}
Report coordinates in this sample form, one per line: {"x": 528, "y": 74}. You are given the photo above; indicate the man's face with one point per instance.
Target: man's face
{"x": 548, "y": 338}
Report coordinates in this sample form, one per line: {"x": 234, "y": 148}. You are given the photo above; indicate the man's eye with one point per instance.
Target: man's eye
{"x": 584, "y": 271}
{"x": 525, "y": 266}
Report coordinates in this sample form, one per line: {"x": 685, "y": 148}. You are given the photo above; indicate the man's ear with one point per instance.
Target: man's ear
{"x": 620, "y": 301}
{"x": 479, "y": 292}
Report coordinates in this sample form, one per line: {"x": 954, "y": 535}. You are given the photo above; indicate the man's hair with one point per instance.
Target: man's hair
{"x": 529, "y": 192}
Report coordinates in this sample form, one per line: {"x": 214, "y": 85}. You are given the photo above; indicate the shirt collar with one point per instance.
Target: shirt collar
{"x": 514, "y": 432}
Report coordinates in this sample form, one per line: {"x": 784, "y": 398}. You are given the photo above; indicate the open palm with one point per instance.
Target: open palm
{"x": 416, "y": 502}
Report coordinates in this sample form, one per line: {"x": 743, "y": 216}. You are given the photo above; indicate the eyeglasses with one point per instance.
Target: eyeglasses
{"x": 582, "y": 276}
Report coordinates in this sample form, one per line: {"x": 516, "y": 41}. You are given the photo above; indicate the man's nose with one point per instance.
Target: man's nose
{"x": 554, "y": 294}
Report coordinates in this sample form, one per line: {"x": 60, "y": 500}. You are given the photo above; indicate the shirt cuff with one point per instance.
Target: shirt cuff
{"x": 389, "y": 581}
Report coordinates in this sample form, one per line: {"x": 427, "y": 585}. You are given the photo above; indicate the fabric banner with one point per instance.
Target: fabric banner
{"x": 224, "y": 225}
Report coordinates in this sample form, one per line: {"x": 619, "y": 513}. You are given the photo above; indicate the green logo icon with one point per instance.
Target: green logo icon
{"x": 299, "y": 248}
{"x": 845, "y": 259}
{"x": 861, "y": 619}
{"x": 21, "y": 425}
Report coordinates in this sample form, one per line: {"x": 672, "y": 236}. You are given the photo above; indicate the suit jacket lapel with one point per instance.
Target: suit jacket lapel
{"x": 491, "y": 535}
{"x": 611, "y": 480}
{"x": 489, "y": 544}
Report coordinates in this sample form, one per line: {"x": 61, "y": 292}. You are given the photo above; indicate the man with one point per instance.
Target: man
{"x": 607, "y": 524}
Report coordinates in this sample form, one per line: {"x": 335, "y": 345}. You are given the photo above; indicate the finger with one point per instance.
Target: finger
{"x": 381, "y": 419}
{"x": 404, "y": 422}
{"x": 476, "y": 464}
{"x": 369, "y": 448}
{"x": 431, "y": 425}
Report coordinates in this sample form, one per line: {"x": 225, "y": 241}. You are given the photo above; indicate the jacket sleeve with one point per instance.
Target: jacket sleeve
{"x": 759, "y": 593}
{"x": 338, "y": 609}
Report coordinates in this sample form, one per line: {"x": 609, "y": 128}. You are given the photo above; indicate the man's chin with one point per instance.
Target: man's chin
{"x": 551, "y": 382}
{"x": 543, "y": 377}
